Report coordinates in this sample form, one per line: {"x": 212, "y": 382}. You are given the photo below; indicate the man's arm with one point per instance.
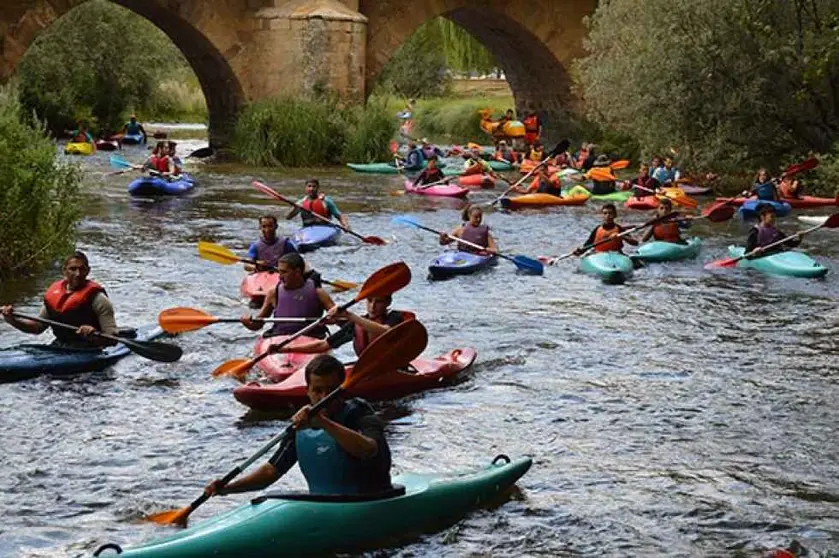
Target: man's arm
{"x": 24, "y": 325}
{"x": 104, "y": 310}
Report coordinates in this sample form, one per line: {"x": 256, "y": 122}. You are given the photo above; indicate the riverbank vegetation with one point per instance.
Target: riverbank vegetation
{"x": 39, "y": 193}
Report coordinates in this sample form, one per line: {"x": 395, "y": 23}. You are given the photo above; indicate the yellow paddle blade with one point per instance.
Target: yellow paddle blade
{"x": 217, "y": 253}
{"x": 182, "y": 320}
{"x": 172, "y": 517}
{"x": 237, "y": 368}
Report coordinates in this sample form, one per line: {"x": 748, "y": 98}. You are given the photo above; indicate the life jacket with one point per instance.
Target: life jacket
{"x": 508, "y": 156}
{"x": 132, "y": 129}
{"x": 74, "y": 308}
{"x": 429, "y": 176}
{"x": 765, "y": 191}
{"x": 531, "y": 124}
{"x": 414, "y": 159}
{"x": 429, "y": 152}
{"x": 536, "y": 155}
{"x": 317, "y": 206}
{"x": 298, "y": 303}
{"x": 160, "y": 164}
{"x": 550, "y": 187}
{"x": 767, "y": 235}
{"x": 361, "y": 338}
{"x": 582, "y": 156}
{"x": 647, "y": 186}
{"x": 788, "y": 189}
{"x": 474, "y": 166}
{"x": 667, "y": 232}
{"x": 271, "y": 253}
{"x": 476, "y": 235}
{"x": 615, "y": 245}
{"x": 331, "y": 470}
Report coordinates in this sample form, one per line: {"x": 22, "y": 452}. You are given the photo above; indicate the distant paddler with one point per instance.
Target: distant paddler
{"x": 667, "y": 230}
{"x": 473, "y": 230}
{"x": 270, "y": 247}
{"x": 319, "y": 203}
{"x": 134, "y": 128}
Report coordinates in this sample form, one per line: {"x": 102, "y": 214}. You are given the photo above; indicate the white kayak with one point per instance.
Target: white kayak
{"x": 813, "y": 219}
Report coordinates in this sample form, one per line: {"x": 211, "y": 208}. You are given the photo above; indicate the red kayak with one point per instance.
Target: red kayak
{"x": 255, "y": 286}
{"x": 476, "y": 181}
{"x": 803, "y": 202}
{"x": 282, "y": 365}
{"x": 107, "y": 145}
{"x": 425, "y": 374}
{"x": 643, "y": 204}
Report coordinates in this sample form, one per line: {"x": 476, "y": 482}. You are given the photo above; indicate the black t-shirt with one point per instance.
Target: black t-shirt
{"x": 347, "y": 332}
{"x": 372, "y": 474}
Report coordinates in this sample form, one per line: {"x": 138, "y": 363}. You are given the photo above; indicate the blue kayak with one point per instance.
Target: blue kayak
{"x": 451, "y": 263}
{"x": 158, "y": 186}
{"x": 612, "y": 267}
{"x": 28, "y": 361}
{"x": 314, "y": 237}
{"x": 132, "y": 139}
{"x": 751, "y": 208}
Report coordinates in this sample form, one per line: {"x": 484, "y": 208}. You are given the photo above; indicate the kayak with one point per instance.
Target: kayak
{"x": 132, "y": 139}
{"x": 300, "y": 524}
{"x": 644, "y": 204}
{"x": 813, "y": 219}
{"x": 620, "y": 197}
{"x": 255, "y": 286}
{"x": 30, "y": 360}
{"x": 528, "y": 165}
{"x": 750, "y": 208}
{"x": 387, "y": 168}
{"x": 81, "y": 148}
{"x": 497, "y": 165}
{"x": 789, "y": 263}
{"x": 657, "y": 251}
{"x": 442, "y": 190}
{"x": 612, "y": 267}
{"x": 423, "y": 375}
{"x": 280, "y": 366}
{"x": 803, "y": 202}
{"x": 476, "y": 181}
{"x": 107, "y": 145}
{"x": 527, "y": 201}
{"x": 692, "y": 190}
{"x": 158, "y": 186}
{"x": 313, "y": 237}
{"x": 451, "y": 263}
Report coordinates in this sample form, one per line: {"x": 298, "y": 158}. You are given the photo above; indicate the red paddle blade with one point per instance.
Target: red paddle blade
{"x": 376, "y": 240}
{"x": 832, "y": 222}
{"x": 720, "y": 214}
{"x": 394, "y": 147}
{"x": 809, "y": 164}
{"x": 717, "y": 264}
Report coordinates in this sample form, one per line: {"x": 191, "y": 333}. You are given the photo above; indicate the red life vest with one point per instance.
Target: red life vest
{"x": 73, "y": 308}
{"x": 531, "y": 124}
{"x": 316, "y": 205}
{"x": 361, "y": 338}
{"x": 160, "y": 164}
{"x": 615, "y": 245}
{"x": 667, "y": 232}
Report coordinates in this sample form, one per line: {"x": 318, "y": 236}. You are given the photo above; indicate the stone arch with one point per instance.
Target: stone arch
{"x": 23, "y": 20}
{"x": 534, "y": 41}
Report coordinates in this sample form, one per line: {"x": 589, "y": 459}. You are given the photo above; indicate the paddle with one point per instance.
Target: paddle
{"x": 394, "y": 349}
{"x": 383, "y": 282}
{"x": 560, "y": 147}
{"x": 685, "y": 200}
{"x": 152, "y": 350}
{"x": 522, "y": 262}
{"x": 832, "y": 222}
{"x": 182, "y": 320}
{"x": 619, "y": 164}
{"x": 219, "y": 254}
{"x": 277, "y": 196}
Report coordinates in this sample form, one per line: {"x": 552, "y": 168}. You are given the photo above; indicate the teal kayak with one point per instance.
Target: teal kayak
{"x": 657, "y": 251}
{"x": 390, "y": 168}
{"x": 500, "y": 165}
{"x": 789, "y": 263}
{"x": 612, "y": 267}
{"x": 301, "y": 524}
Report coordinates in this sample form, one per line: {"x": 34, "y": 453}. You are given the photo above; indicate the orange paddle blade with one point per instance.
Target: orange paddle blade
{"x": 181, "y": 320}
{"x": 394, "y": 349}
{"x": 728, "y": 262}
{"x": 237, "y": 368}
{"x": 604, "y": 175}
{"x": 619, "y": 165}
{"x": 339, "y": 286}
{"x": 173, "y": 517}
{"x": 385, "y": 281}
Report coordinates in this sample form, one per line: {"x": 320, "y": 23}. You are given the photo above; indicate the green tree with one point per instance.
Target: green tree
{"x": 726, "y": 83}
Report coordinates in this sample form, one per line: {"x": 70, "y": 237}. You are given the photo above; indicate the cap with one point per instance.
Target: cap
{"x": 424, "y": 140}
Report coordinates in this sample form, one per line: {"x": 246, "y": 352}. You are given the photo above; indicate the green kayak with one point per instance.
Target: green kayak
{"x": 389, "y": 168}
{"x": 580, "y": 190}
{"x": 612, "y": 267}
{"x": 500, "y": 165}
{"x": 296, "y": 525}
{"x": 789, "y": 263}
{"x": 657, "y": 251}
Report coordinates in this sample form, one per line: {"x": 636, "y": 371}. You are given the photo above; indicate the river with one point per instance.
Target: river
{"x": 687, "y": 413}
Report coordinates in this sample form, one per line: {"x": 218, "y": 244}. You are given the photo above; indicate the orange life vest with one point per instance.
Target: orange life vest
{"x": 615, "y": 245}
{"x": 361, "y": 338}
{"x": 74, "y": 308}
{"x": 531, "y": 124}
{"x": 788, "y": 189}
{"x": 667, "y": 232}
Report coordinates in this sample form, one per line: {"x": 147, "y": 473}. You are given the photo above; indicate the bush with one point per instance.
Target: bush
{"x": 825, "y": 179}
{"x": 39, "y": 195}
{"x": 299, "y": 132}
{"x": 457, "y": 121}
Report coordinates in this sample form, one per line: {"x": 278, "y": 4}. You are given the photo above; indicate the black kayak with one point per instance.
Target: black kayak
{"x": 28, "y": 361}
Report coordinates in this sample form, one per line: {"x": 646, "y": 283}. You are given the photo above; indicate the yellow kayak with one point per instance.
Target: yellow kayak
{"x": 73, "y": 148}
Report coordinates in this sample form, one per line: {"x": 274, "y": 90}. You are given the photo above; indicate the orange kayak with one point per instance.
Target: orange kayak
{"x": 476, "y": 181}
{"x": 540, "y": 200}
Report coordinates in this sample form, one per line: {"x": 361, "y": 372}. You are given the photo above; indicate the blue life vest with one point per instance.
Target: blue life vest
{"x": 133, "y": 129}
{"x": 765, "y": 191}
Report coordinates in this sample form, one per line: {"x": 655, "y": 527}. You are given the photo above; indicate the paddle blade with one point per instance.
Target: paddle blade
{"x": 728, "y": 262}
{"x": 217, "y": 253}
{"x": 375, "y": 240}
{"x": 118, "y": 162}
{"x": 561, "y": 147}
{"x": 394, "y": 146}
{"x": 153, "y": 350}
{"x": 172, "y": 517}
{"x": 619, "y": 165}
{"x": 720, "y": 214}
{"x": 529, "y": 265}
{"x": 394, "y": 349}
{"x": 809, "y": 164}
{"x": 237, "y": 368}
{"x": 832, "y": 222}
{"x": 339, "y": 286}
{"x": 385, "y": 281}
{"x": 182, "y": 320}
{"x": 406, "y": 220}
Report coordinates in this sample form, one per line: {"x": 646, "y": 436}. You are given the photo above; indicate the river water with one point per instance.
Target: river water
{"x": 687, "y": 413}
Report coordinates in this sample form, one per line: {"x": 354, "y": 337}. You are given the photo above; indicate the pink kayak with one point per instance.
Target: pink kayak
{"x": 256, "y": 285}
{"x": 443, "y": 190}
{"x": 282, "y": 365}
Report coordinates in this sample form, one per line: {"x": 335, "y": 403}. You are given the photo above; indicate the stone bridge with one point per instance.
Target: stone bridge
{"x": 244, "y": 50}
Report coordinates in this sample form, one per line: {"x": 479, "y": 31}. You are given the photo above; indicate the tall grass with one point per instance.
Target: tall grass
{"x": 297, "y": 132}
{"x": 175, "y": 100}
{"x": 457, "y": 120}
{"x": 39, "y": 193}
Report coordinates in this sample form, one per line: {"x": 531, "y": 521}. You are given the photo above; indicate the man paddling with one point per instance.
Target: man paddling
{"x": 766, "y": 233}
{"x": 340, "y": 451}
{"x": 430, "y": 174}
{"x": 608, "y": 230}
{"x": 134, "y": 128}
{"x": 666, "y": 231}
{"x": 294, "y": 297}
{"x": 321, "y": 204}
{"x": 268, "y": 250}
{"x": 75, "y": 301}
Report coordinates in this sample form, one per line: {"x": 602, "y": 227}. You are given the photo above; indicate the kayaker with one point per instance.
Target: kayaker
{"x": 429, "y": 150}
{"x": 177, "y": 164}
{"x": 667, "y": 231}
{"x": 294, "y": 297}
{"x": 764, "y": 188}
{"x": 360, "y": 330}
{"x": 475, "y": 164}
{"x": 532, "y": 127}
{"x": 342, "y": 450}
{"x": 790, "y": 187}
{"x": 76, "y": 301}
{"x": 537, "y": 152}
{"x": 585, "y": 157}
{"x": 414, "y": 160}
{"x": 602, "y": 178}
{"x": 430, "y": 174}
{"x": 544, "y": 183}
{"x": 473, "y": 231}
{"x": 609, "y": 229}
{"x": 82, "y": 135}
{"x": 504, "y": 153}
{"x": 499, "y": 132}
{"x": 268, "y": 250}
{"x": 765, "y": 233}
{"x": 643, "y": 185}
{"x": 160, "y": 162}
{"x": 132, "y": 128}
{"x": 665, "y": 173}
{"x": 316, "y": 202}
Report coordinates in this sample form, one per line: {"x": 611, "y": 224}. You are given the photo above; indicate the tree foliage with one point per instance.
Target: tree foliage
{"x": 97, "y": 62}
{"x": 726, "y": 83}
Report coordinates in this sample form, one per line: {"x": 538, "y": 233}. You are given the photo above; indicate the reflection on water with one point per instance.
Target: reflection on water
{"x": 686, "y": 413}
